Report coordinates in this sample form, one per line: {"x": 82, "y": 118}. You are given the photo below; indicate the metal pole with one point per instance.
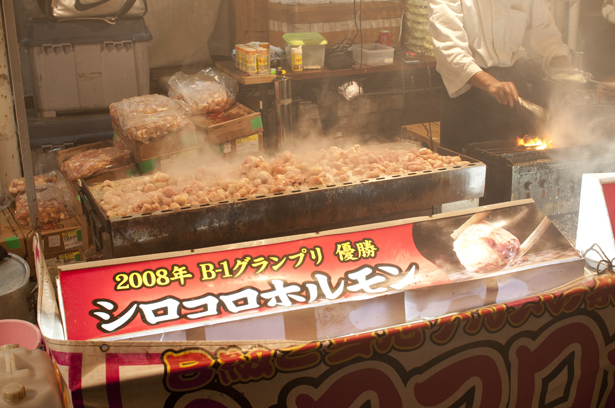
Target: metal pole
{"x": 574, "y": 10}
{"x": 10, "y": 160}
{"x": 10, "y": 30}
{"x": 283, "y": 112}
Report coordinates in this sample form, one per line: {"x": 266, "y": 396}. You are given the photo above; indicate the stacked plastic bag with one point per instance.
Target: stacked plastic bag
{"x": 207, "y": 91}
{"x": 415, "y": 32}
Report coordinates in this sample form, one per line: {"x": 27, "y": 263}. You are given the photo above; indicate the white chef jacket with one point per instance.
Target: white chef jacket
{"x": 472, "y": 34}
{"x": 608, "y": 10}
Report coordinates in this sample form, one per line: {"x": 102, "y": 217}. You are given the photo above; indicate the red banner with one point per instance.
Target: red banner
{"x": 257, "y": 278}
{"x": 127, "y": 298}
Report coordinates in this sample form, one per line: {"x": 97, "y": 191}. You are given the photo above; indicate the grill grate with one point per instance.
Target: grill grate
{"x": 508, "y": 153}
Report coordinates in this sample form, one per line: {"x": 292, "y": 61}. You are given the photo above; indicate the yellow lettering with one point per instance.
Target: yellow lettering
{"x": 208, "y": 271}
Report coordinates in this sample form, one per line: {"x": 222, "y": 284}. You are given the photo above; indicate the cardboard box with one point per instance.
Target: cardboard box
{"x": 71, "y": 235}
{"x": 242, "y": 146}
{"x": 63, "y": 237}
{"x": 166, "y": 145}
{"x": 427, "y": 134}
{"x": 236, "y": 122}
{"x": 162, "y": 162}
{"x": 65, "y": 258}
{"x": 11, "y": 237}
{"x": 130, "y": 170}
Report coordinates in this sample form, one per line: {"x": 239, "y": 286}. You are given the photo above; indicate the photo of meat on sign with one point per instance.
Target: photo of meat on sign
{"x": 484, "y": 247}
{"x": 494, "y": 241}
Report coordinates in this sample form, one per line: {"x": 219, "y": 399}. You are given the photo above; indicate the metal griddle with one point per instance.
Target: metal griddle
{"x": 274, "y": 215}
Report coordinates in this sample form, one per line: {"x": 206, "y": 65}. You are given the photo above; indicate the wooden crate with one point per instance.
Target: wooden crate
{"x": 236, "y": 122}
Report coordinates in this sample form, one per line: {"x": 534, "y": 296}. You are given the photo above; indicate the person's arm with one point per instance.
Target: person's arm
{"x": 560, "y": 61}
{"x": 543, "y": 40}
{"x": 606, "y": 93}
{"x": 503, "y": 92}
{"x": 455, "y": 62}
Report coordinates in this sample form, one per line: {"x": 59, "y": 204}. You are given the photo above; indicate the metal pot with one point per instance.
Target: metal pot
{"x": 14, "y": 288}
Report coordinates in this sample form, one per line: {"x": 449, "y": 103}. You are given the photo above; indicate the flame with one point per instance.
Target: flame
{"x": 535, "y": 143}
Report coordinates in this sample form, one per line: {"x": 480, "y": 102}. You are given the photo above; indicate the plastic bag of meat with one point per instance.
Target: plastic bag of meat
{"x": 95, "y": 161}
{"x": 55, "y": 203}
{"x": 147, "y": 117}
{"x": 41, "y": 182}
{"x": 207, "y": 91}
{"x": 483, "y": 247}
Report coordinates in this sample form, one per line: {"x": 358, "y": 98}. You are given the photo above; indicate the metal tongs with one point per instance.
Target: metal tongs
{"x": 605, "y": 84}
{"x": 537, "y": 111}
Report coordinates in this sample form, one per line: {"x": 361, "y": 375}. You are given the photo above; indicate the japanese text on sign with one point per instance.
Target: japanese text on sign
{"x": 365, "y": 279}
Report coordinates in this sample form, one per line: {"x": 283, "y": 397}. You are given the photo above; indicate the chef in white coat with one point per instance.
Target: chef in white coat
{"x": 481, "y": 47}
{"x": 607, "y": 94}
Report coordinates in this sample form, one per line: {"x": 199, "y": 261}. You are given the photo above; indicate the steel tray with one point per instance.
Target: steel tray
{"x": 274, "y": 215}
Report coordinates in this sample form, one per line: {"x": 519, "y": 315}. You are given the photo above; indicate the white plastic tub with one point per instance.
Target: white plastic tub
{"x": 81, "y": 66}
{"x": 312, "y": 45}
{"x": 373, "y": 54}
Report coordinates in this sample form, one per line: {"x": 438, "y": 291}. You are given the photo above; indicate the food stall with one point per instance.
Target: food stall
{"x": 133, "y": 338}
{"x": 199, "y": 266}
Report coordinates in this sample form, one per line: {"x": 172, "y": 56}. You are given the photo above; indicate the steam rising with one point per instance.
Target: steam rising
{"x": 208, "y": 178}
{"x": 576, "y": 120}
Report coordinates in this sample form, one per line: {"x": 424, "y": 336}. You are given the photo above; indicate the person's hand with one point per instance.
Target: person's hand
{"x": 606, "y": 93}
{"x": 503, "y": 92}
